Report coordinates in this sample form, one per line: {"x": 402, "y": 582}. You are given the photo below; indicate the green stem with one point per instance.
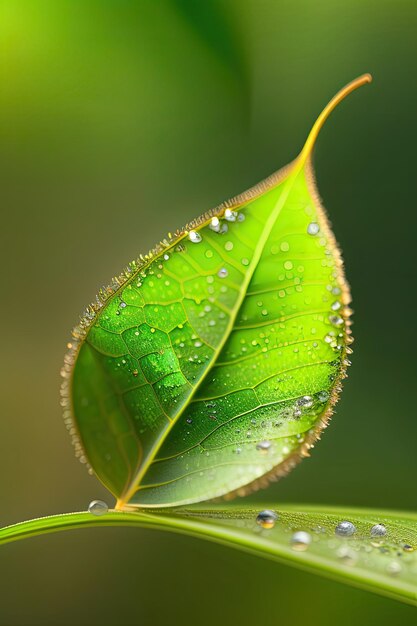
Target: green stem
{"x": 219, "y": 525}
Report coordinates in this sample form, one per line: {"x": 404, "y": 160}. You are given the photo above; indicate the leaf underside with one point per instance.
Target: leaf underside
{"x": 385, "y": 565}
{"x": 212, "y": 364}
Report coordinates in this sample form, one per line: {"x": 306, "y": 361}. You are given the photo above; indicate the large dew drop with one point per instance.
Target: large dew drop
{"x": 378, "y": 530}
{"x": 267, "y": 519}
{"x": 98, "y": 507}
{"x": 345, "y": 529}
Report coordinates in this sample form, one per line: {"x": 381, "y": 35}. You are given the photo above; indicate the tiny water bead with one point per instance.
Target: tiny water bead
{"x": 348, "y": 556}
{"x": 230, "y": 215}
{"x": 393, "y": 568}
{"x": 267, "y": 519}
{"x": 335, "y": 320}
{"x": 378, "y": 530}
{"x": 194, "y": 236}
{"x": 345, "y": 529}
{"x": 222, "y": 273}
{"x": 313, "y": 228}
{"x": 263, "y": 446}
{"x": 305, "y": 401}
{"x": 98, "y": 507}
{"x": 300, "y": 541}
{"x": 215, "y": 224}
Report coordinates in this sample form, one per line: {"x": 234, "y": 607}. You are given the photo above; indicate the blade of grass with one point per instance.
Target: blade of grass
{"x": 385, "y": 565}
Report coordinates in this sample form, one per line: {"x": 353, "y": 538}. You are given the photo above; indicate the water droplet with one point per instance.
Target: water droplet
{"x": 345, "y": 529}
{"x": 263, "y": 446}
{"x": 288, "y": 265}
{"x": 245, "y": 261}
{"x": 198, "y": 344}
{"x": 336, "y": 305}
{"x": 393, "y": 568}
{"x": 408, "y": 548}
{"x": 378, "y": 530}
{"x": 285, "y": 246}
{"x": 215, "y": 224}
{"x": 300, "y": 541}
{"x": 194, "y": 236}
{"x": 313, "y": 228}
{"x": 222, "y": 273}
{"x": 228, "y": 246}
{"x": 230, "y": 215}
{"x": 166, "y": 257}
{"x": 335, "y": 320}
{"x": 305, "y": 401}
{"x": 348, "y": 556}
{"x": 241, "y": 217}
{"x": 267, "y": 519}
{"x": 323, "y": 396}
{"x": 98, "y": 507}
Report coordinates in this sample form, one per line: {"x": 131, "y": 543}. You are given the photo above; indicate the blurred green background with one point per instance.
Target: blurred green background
{"x": 122, "y": 120}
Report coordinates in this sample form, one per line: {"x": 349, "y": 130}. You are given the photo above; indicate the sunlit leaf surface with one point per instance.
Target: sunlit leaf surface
{"x": 379, "y": 555}
{"x": 211, "y": 365}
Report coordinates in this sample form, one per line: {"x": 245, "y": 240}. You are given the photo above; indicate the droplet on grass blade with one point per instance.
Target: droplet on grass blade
{"x": 345, "y": 529}
{"x": 98, "y": 507}
{"x": 300, "y": 541}
{"x": 378, "y": 530}
{"x": 267, "y": 519}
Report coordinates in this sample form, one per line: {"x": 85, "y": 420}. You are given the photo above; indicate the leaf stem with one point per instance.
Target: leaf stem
{"x": 318, "y": 125}
{"x": 234, "y": 527}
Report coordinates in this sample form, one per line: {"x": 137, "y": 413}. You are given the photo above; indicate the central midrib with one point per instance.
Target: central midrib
{"x": 288, "y": 180}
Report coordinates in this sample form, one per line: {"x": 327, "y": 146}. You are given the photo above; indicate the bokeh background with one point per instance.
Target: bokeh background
{"x": 122, "y": 120}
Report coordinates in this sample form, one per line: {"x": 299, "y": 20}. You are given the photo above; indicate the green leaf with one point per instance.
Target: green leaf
{"x": 211, "y": 365}
{"x": 382, "y": 564}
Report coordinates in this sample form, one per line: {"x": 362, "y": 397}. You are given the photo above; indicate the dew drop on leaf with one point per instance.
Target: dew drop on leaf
{"x": 230, "y": 215}
{"x": 263, "y": 446}
{"x": 378, "y": 530}
{"x": 305, "y": 401}
{"x": 98, "y": 507}
{"x": 215, "y": 224}
{"x": 393, "y": 568}
{"x": 313, "y": 228}
{"x": 267, "y": 519}
{"x": 300, "y": 541}
{"x": 194, "y": 236}
{"x": 347, "y": 555}
{"x": 345, "y": 529}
